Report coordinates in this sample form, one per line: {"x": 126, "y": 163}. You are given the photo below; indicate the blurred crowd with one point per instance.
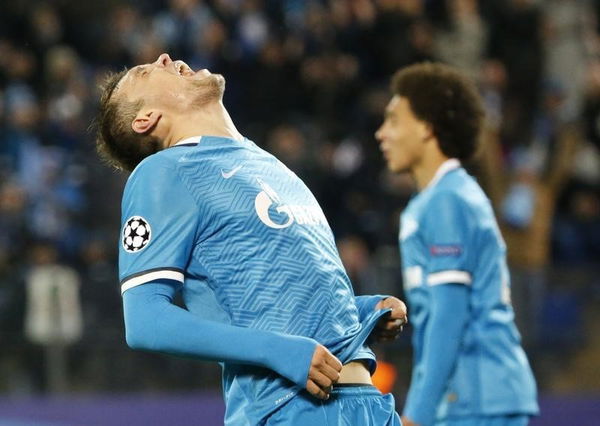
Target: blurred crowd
{"x": 308, "y": 81}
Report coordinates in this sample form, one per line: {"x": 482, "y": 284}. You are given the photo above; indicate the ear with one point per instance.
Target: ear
{"x": 428, "y": 132}
{"x": 146, "y": 120}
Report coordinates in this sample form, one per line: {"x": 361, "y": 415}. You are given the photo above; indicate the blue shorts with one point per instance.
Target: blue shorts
{"x": 348, "y": 405}
{"x": 514, "y": 420}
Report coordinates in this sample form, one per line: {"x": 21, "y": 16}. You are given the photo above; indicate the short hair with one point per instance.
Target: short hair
{"x": 448, "y": 101}
{"x": 116, "y": 142}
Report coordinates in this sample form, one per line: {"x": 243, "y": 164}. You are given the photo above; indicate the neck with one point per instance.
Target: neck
{"x": 210, "y": 120}
{"x": 424, "y": 171}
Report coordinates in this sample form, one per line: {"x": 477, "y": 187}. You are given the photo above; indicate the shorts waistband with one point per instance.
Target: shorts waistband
{"x": 343, "y": 389}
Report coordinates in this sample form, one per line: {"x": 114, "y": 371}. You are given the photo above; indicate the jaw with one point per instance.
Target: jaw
{"x": 396, "y": 168}
{"x": 208, "y": 90}
{"x": 400, "y": 162}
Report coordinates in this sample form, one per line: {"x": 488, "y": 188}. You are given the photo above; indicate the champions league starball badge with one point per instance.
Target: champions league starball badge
{"x": 136, "y": 234}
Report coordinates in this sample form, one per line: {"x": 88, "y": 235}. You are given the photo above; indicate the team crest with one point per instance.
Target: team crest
{"x": 136, "y": 234}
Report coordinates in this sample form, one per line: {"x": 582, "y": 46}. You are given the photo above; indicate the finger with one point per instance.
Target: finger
{"x": 398, "y": 313}
{"x": 333, "y": 362}
{"x": 389, "y": 334}
{"x": 392, "y": 325}
{"x": 320, "y": 379}
{"x": 330, "y": 372}
{"x": 315, "y": 390}
{"x": 391, "y": 302}
{"x": 389, "y": 327}
{"x": 322, "y": 357}
{"x": 388, "y": 337}
{"x": 398, "y": 307}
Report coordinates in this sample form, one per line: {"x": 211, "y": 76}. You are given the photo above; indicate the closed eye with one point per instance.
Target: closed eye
{"x": 142, "y": 71}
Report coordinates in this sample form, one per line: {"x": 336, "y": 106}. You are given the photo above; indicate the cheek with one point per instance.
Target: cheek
{"x": 405, "y": 148}
{"x": 173, "y": 98}
{"x": 400, "y": 139}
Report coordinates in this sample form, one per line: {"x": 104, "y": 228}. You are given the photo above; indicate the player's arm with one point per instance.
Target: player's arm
{"x": 448, "y": 238}
{"x": 443, "y": 335}
{"x": 154, "y": 323}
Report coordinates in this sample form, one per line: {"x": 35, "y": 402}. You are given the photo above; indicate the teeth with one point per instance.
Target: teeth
{"x": 183, "y": 69}
{"x": 178, "y": 67}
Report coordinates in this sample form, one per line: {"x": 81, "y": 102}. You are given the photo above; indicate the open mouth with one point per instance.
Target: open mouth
{"x": 183, "y": 69}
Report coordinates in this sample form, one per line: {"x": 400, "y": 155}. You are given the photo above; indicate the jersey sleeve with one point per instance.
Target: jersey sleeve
{"x": 448, "y": 239}
{"x": 154, "y": 323}
{"x": 158, "y": 225}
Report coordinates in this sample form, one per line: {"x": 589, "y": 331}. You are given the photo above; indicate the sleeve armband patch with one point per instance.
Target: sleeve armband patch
{"x": 136, "y": 234}
{"x": 453, "y": 250}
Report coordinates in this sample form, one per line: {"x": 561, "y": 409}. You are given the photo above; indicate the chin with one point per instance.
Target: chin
{"x": 399, "y": 169}
{"x": 218, "y": 84}
{"x": 219, "y": 80}
{"x": 209, "y": 89}
{"x": 395, "y": 168}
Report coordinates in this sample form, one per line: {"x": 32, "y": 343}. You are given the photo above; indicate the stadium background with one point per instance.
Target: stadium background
{"x": 307, "y": 80}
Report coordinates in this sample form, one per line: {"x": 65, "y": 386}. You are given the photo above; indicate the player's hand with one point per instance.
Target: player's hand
{"x": 323, "y": 374}
{"x": 408, "y": 422}
{"x": 390, "y": 325}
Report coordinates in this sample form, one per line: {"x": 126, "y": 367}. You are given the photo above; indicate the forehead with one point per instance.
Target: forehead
{"x": 129, "y": 80}
{"x": 398, "y": 105}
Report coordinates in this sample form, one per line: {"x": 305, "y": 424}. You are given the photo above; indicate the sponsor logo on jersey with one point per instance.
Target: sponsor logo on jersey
{"x": 275, "y": 214}
{"x": 136, "y": 234}
{"x": 284, "y": 398}
{"x": 229, "y": 174}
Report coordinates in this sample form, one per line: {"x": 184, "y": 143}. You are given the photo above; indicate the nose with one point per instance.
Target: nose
{"x": 163, "y": 60}
{"x": 379, "y": 134}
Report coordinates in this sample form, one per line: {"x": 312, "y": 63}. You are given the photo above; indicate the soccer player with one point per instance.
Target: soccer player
{"x": 209, "y": 214}
{"x": 469, "y": 368}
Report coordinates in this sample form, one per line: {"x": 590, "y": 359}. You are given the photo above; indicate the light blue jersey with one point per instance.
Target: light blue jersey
{"x": 449, "y": 235}
{"x": 251, "y": 247}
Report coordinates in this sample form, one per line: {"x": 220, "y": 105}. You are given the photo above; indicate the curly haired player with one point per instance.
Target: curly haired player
{"x": 469, "y": 368}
